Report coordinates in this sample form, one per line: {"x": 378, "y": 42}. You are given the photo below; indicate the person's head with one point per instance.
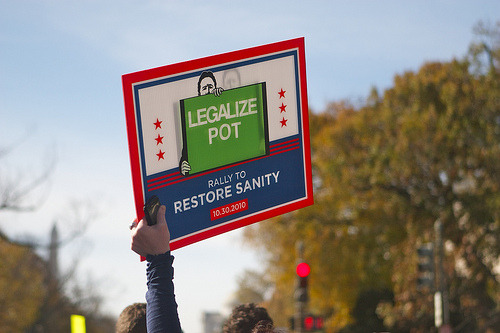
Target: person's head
{"x": 206, "y": 83}
{"x": 263, "y": 326}
{"x": 245, "y": 318}
{"x": 132, "y": 319}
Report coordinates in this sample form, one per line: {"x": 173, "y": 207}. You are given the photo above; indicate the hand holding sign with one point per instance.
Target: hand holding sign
{"x": 151, "y": 240}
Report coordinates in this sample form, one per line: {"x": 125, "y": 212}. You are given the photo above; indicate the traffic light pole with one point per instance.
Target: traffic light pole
{"x": 301, "y": 296}
{"x": 441, "y": 296}
{"x": 299, "y": 316}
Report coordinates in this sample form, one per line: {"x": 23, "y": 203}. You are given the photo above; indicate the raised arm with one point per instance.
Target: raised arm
{"x": 152, "y": 242}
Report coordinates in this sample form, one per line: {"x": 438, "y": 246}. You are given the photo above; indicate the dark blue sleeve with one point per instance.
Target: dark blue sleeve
{"x": 161, "y": 309}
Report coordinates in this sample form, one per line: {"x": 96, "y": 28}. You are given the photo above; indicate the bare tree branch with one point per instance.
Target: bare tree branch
{"x": 76, "y": 220}
{"x": 17, "y": 190}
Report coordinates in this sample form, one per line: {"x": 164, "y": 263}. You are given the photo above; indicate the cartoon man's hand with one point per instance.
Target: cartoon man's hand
{"x": 217, "y": 91}
{"x": 185, "y": 168}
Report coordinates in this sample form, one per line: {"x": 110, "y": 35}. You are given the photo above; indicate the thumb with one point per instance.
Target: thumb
{"x": 160, "y": 216}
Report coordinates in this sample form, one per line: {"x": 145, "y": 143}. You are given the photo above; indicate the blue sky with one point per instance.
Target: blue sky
{"x": 61, "y": 97}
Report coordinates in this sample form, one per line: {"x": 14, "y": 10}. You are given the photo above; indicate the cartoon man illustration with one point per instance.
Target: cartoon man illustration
{"x": 207, "y": 84}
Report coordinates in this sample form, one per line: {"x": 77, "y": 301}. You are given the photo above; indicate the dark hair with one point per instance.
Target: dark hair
{"x": 204, "y": 75}
{"x": 263, "y": 326}
{"x": 246, "y": 317}
{"x": 132, "y": 319}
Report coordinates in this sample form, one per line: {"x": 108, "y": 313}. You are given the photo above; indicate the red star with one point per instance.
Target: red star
{"x": 283, "y": 108}
{"x": 283, "y": 122}
{"x": 157, "y": 124}
{"x": 160, "y": 155}
{"x": 282, "y": 93}
{"x": 159, "y": 140}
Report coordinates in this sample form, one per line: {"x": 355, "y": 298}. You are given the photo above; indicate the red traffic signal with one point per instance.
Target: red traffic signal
{"x": 308, "y": 323}
{"x": 318, "y": 322}
{"x": 312, "y": 323}
{"x": 303, "y": 269}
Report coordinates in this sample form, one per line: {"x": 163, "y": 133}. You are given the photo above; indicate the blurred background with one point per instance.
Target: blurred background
{"x": 404, "y": 105}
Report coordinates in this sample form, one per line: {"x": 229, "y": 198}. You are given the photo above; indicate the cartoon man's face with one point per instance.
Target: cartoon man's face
{"x": 206, "y": 86}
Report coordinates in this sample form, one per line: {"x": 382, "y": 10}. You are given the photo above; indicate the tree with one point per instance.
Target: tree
{"x": 36, "y": 297}
{"x": 252, "y": 288}
{"x": 21, "y": 286}
{"x": 427, "y": 150}
{"x": 22, "y": 191}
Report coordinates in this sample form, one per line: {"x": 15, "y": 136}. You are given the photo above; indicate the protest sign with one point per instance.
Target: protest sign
{"x": 223, "y": 141}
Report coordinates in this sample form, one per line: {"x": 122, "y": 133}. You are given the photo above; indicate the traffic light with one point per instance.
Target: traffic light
{"x": 425, "y": 277}
{"x": 303, "y": 271}
{"x": 318, "y": 323}
{"x": 308, "y": 323}
{"x": 312, "y": 323}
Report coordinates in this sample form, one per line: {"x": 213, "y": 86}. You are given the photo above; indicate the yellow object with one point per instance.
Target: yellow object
{"x": 77, "y": 324}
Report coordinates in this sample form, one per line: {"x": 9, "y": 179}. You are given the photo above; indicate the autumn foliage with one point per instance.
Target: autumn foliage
{"x": 384, "y": 172}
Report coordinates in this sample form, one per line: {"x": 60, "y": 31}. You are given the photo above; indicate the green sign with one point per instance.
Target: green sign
{"x": 225, "y": 129}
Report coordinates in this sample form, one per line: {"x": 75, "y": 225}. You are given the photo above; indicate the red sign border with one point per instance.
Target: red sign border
{"x": 128, "y": 82}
